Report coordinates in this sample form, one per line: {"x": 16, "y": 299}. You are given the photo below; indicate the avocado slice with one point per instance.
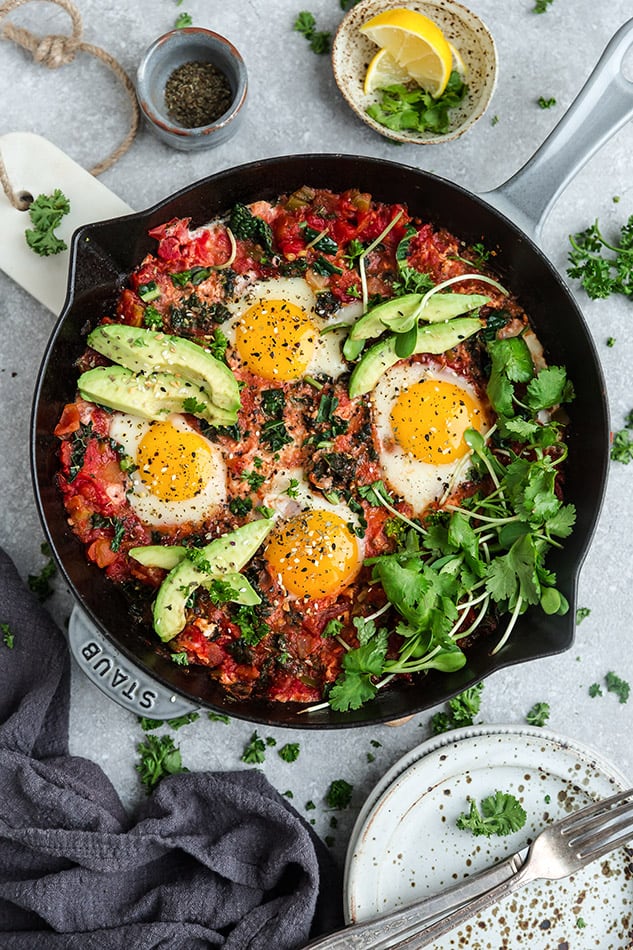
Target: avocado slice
{"x": 226, "y": 555}
{"x": 159, "y": 555}
{"x": 151, "y": 396}
{"x": 150, "y": 351}
{"x": 433, "y": 338}
{"x": 400, "y": 313}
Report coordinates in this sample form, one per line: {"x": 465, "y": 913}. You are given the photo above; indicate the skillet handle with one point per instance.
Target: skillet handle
{"x": 602, "y": 107}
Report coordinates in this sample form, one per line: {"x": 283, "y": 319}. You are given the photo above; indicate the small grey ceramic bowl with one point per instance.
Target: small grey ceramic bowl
{"x": 474, "y": 54}
{"x": 190, "y": 45}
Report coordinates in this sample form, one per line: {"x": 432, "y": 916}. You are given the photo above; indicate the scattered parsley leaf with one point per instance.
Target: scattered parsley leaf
{"x": 546, "y": 103}
{"x": 580, "y": 923}
{"x": 183, "y": 20}
{"x": 618, "y": 686}
{"x": 602, "y": 268}
{"x": 309, "y": 805}
{"x": 218, "y": 717}
{"x": 462, "y": 710}
{"x": 339, "y": 794}
{"x": 158, "y": 757}
{"x": 610, "y": 341}
{"x": 622, "y": 446}
{"x": 582, "y": 613}
{"x": 180, "y": 659}
{"x": 501, "y": 814}
{"x": 46, "y": 213}
{"x": 255, "y": 750}
{"x": 332, "y": 628}
{"x": 289, "y": 752}
{"x": 39, "y": 583}
{"x": 319, "y": 40}
{"x": 8, "y": 638}
{"x": 595, "y": 690}
{"x": 540, "y": 6}
{"x": 538, "y": 714}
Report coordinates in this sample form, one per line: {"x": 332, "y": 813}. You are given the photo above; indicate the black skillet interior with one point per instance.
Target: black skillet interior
{"x": 102, "y": 254}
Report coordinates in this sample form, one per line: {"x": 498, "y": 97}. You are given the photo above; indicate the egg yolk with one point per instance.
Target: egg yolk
{"x": 314, "y": 554}
{"x": 276, "y": 339}
{"x": 429, "y": 420}
{"x": 174, "y": 464}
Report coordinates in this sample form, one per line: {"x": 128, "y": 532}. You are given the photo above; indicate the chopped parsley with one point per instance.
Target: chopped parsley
{"x": 462, "y": 710}
{"x": 153, "y": 320}
{"x": 540, "y": 6}
{"x": 176, "y": 723}
{"x": 180, "y": 659}
{"x": 622, "y": 446}
{"x": 538, "y": 714}
{"x": 319, "y": 40}
{"x": 256, "y": 479}
{"x": 39, "y": 583}
{"x": 46, "y": 213}
{"x": 183, "y": 20}
{"x": 339, "y": 794}
{"x": 289, "y": 752}
{"x": 255, "y": 750}
{"x": 499, "y": 814}
{"x": 618, "y": 686}
{"x": 8, "y": 638}
{"x": 218, "y": 717}
{"x": 406, "y": 108}
{"x": 332, "y": 628}
{"x": 252, "y": 627}
{"x": 582, "y": 613}
{"x": 158, "y": 757}
{"x": 603, "y": 268}
{"x": 240, "y": 506}
{"x": 546, "y": 103}
{"x": 595, "y": 690}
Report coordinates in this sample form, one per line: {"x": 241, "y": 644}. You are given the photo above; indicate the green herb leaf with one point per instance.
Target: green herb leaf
{"x": 46, "y": 213}
{"x": 8, "y": 638}
{"x": 618, "y": 686}
{"x": 538, "y": 714}
{"x": 339, "y": 794}
{"x": 404, "y": 108}
{"x": 254, "y": 751}
{"x": 501, "y": 814}
{"x": 158, "y": 757}
{"x": 289, "y": 752}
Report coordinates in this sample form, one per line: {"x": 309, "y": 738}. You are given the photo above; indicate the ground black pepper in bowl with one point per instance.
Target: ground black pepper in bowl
{"x": 197, "y": 94}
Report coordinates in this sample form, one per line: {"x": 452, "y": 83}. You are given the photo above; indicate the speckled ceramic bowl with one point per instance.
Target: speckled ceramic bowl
{"x": 352, "y": 52}
{"x": 167, "y": 53}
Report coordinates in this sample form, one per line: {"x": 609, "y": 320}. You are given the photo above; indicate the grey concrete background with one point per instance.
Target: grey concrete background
{"x": 294, "y": 106}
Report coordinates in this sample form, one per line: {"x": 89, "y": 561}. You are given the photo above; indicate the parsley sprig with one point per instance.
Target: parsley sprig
{"x": 603, "y": 268}
{"x": 499, "y": 814}
{"x": 46, "y": 213}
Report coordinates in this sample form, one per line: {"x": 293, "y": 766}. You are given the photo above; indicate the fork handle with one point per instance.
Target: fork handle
{"x": 425, "y": 936}
{"x": 383, "y": 932}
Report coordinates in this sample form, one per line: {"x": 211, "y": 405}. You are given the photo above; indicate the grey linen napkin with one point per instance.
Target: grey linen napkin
{"x": 210, "y": 860}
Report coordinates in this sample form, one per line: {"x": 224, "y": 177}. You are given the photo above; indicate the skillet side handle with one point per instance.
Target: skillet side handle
{"x": 602, "y": 107}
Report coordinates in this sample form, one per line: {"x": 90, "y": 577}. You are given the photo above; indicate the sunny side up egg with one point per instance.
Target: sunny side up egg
{"x": 420, "y": 413}
{"x": 313, "y": 550}
{"x": 275, "y": 333}
{"x": 177, "y": 475}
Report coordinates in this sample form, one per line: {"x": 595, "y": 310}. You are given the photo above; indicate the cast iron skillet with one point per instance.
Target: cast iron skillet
{"x": 103, "y": 254}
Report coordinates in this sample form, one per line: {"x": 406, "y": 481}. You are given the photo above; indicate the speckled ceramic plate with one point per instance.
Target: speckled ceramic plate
{"x": 405, "y": 844}
{"x": 352, "y": 52}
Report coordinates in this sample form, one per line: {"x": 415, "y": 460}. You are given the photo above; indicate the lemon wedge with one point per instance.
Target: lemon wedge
{"x": 416, "y": 44}
{"x": 383, "y": 71}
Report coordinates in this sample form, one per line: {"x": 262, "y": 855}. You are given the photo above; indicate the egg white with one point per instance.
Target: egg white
{"x": 419, "y": 483}
{"x": 327, "y": 358}
{"x": 128, "y": 431}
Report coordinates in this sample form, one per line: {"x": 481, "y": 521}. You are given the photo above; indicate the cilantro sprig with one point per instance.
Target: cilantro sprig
{"x": 499, "y": 814}
{"x": 483, "y": 557}
{"x": 319, "y": 40}
{"x": 406, "y": 108}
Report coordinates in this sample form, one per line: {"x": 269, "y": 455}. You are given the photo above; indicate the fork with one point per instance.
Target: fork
{"x": 559, "y": 850}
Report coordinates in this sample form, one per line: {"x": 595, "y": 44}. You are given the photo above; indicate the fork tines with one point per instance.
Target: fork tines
{"x": 600, "y": 828}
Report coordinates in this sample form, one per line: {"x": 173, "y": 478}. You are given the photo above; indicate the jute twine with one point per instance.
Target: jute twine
{"x": 58, "y": 50}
